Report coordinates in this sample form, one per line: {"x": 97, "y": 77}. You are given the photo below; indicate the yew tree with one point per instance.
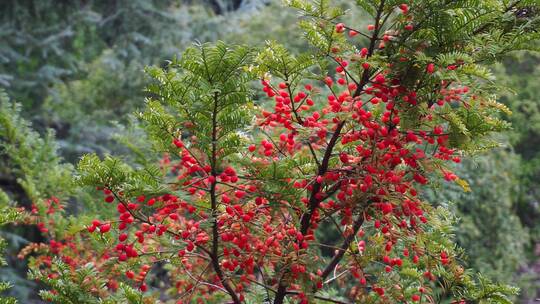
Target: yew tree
{"x": 298, "y": 178}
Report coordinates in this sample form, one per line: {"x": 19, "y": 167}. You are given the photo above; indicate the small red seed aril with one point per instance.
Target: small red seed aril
{"x": 105, "y": 228}
{"x": 430, "y": 68}
{"x": 239, "y": 193}
{"x": 122, "y": 237}
{"x": 404, "y": 8}
{"x": 178, "y": 143}
{"x": 340, "y": 28}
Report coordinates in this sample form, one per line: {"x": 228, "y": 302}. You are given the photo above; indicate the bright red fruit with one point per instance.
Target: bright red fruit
{"x": 105, "y": 228}
{"x": 340, "y": 28}
{"x": 430, "y": 68}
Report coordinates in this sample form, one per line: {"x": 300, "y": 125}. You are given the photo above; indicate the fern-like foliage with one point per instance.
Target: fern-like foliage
{"x": 32, "y": 159}
{"x": 7, "y": 215}
{"x": 116, "y": 174}
{"x": 202, "y": 94}
{"x": 83, "y": 286}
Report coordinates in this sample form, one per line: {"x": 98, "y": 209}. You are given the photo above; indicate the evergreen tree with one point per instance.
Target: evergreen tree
{"x": 345, "y": 135}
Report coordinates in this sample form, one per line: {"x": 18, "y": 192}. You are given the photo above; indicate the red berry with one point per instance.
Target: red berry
{"x": 328, "y": 80}
{"x": 190, "y": 246}
{"x": 364, "y": 52}
{"x": 178, "y": 143}
{"x": 340, "y": 27}
{"x": 143, "y": 287}
{"x": 404, "y": 8}
{"x": 239, "y": 193}
{"x": 430, "y": 68}
{"x": 406, "y": 252}
{"x": 105, "y": 228}
{"x": 122, "y": 237}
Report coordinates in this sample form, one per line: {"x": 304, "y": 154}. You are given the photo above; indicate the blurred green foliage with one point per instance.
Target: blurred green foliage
{"x": 489, "y": 229}
{"x": 521, "y": 73}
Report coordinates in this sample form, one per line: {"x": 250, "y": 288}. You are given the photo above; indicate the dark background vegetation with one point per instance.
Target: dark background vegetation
{"x": 76, "y": 66}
